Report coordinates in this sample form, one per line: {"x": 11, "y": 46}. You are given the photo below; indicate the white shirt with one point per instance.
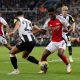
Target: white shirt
{"x": 25, "y": 29}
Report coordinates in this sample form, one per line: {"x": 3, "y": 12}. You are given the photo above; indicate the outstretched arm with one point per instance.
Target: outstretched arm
{"x": 7, "y": 28}
{"x": 15, "y": 28}
{"x": 37, "y": 29}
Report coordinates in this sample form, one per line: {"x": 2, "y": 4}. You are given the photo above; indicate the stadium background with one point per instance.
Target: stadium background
{"x": 36, "y": 11}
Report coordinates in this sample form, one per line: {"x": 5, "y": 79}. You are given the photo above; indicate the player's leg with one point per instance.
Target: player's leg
{"x": 64, "y": 59}
{"x": 50, "y": 48}
{"x": 28, "y": 50}
{"x": 5, "y": 43}
{"x": 69, "y": 47}
{"x": 45, "y": 54}
{"x": 70, "y": 51}
{"x": 62, "y": 47}
{"x": 32, "y": 59}
{"x": 43, "y": 65}
{"x": 8, "y": 46}
{"x": 13, "y": 60}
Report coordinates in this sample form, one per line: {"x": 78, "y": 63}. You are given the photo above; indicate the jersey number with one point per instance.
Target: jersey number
{"x": 27, "y": 25}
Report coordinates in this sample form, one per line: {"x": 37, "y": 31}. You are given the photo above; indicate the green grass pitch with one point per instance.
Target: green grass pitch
{"x": 56, "y": 71}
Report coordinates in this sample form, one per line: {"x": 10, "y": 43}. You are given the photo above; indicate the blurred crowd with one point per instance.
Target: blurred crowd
{"x": 36, "y": 11}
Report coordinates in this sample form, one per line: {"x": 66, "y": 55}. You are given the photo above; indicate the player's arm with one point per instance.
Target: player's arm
{"x": 7, "y": 28}
{"x": 68, "y": 30}
{"x": 67, "y": 27}
{"x": 3, "y": 21}
{"x": 72, "y": 27}
{"x": 42, "y": 30}
{"x": 36, "y": 29}
{"x": 45, "y": 26}
{"x": 73, "y": 23}
{"x": 17, "y": 25}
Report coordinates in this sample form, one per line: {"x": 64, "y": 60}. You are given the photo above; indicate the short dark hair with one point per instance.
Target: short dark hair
{"x": 19, "y": 13}
{"x": 51, "y": 9}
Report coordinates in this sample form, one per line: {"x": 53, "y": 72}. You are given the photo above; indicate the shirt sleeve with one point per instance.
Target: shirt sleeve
{"x": 46, "y": 24}
{"x": 65, "y": 23}
{"x": 3, "y": 21}
{"x": 71, "y": 19}
{"x": 15, "y": 20}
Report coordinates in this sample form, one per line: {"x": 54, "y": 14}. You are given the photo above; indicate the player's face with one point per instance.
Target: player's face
{"x": 52, "y": 15}
{"x": 64, "y": 12}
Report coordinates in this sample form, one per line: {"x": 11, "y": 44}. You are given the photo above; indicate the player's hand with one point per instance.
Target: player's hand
{"x": 6, "y": 34}
{"x": 73, "y": 31}
{"x": 70, "y": 31}
{"x": 43, "y": 31}
{"x": 65, "y": 30}
{"x": 10, "y": 34}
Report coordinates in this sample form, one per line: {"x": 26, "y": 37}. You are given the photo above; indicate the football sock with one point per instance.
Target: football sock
{"x": 14, "y": 62}
{"x": 70, "y": 50}
{"x": 64, "y": 59}
{"x": 33, "y": 59}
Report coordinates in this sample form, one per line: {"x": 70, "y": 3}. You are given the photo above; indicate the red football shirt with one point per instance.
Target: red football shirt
{"x": 56, "y": 28}
{"x": 2, "y": 22}
{"x": 1, "y": 33}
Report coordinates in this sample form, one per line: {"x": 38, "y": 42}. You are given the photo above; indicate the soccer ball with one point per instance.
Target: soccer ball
{"x": 44, "y": 62}
{"x": 44, "y": 66}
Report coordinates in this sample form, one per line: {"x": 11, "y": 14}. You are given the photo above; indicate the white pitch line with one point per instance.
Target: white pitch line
{"x": 59, "y": 60}
{"x": 55, "y": 60}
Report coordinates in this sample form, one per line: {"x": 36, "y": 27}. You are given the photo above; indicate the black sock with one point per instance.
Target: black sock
{"x": 70, "y": 50}
{"x": 33, "y": 59}
{"x": 14, "y": 62}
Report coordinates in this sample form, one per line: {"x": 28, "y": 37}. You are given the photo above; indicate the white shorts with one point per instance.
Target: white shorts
{"x": 56, "y": 45}
{"x": 66, "y": 39}
{"x": 3, "y": 40}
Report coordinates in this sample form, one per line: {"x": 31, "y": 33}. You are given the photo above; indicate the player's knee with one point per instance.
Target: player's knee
{"x": 24, "y": 56}
{"x": 60, "y": 53}
{"x": 11, "y": 54}
{"x": 46, "y": 53}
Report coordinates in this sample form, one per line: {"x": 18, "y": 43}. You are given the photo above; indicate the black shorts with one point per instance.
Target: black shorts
{"x": 26, "y": 46}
